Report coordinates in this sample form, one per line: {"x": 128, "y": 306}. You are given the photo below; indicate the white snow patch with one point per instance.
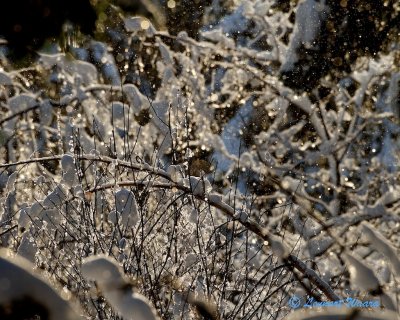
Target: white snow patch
{"x": 108, "y": 276}
{"x": 17, "y": 281}
{"x": 309, "y": 15}
{"x": 361, "y": 276}
{"x": 380, "y": 244}
{"x": 126, "y": 206}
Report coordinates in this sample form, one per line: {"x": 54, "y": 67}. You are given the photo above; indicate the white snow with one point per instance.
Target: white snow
{"x": 380, "y": 244}
{"x": 24, "y": 219}
{"x": 126, "y": 206}
{"x": 46, "y": 113}
{"x": 36, "y": 209}
{"x": 10, "y": 186}
{"x": 278, "y": 247}
{"x": 136, "y": 99}
{"x": 231, "y": 139}
{"x": 70, "y": 177}
{"x": 17, "y": 281}
{"x": 5, "y": 79}
{"x": 175, "y": 172}
{"x": 218, "y": 36}
{"x": 55, "y": 198}
{"x": 27, "y": 248}
{"x": 199, "y": 186}
{"x": 21, "y": 102}
{"x": 361, "y": 276}
{"x": 309, "y": 15}
{"x": 107, "y": 274}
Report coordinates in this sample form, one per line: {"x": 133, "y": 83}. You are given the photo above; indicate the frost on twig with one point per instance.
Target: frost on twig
{"x": 144, "y": 113}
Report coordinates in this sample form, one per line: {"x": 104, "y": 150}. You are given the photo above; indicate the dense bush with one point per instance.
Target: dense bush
{"x": 210, "y": 181}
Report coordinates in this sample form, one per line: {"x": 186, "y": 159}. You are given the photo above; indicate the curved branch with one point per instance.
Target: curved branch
{"x": 290, "y": 259}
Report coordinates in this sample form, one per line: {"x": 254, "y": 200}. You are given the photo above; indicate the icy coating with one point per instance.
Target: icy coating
{"x": 207, "y": 160}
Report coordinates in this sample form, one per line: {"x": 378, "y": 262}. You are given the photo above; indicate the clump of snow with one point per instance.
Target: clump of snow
{"x": 218, "y": 36}
{"x": 215, "y": 198}
{"x": 18, "y": 282}
{"x": 108, "y": 276}
{"x": 24, "y": 219}
{"x": 199, "y": 186}
{"x": 70, "y": 177}
{"x": 126, "y": 206}
{"x": 380, "y": 244}
{"x": 113, "y": 216}
{"x": 103, "y": 270}
{"x": 46, "y": 113}
{"x": 10, "y": 186}
{"x": 242, "y": 216}
{"x": 319, "y": 245}
{"x": 309, "y": 15}
{"x": 393, "y": 93}
{"x": 36, "y": 209}
{"x": 361, "y": 276}
{"x": 139, "y": 24}
{"x": 278, "y": 247}
{"x": 55, "y": 198}
{"x": 5, "y": 79}
{"x": 136, "y": 99}
{"x": 67, "y": 162}
{"x": 106, "y": 62}
{"x": 175, "y": 172}
{"x": 27, "y": 247}
{"x": 21, "y": 102}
